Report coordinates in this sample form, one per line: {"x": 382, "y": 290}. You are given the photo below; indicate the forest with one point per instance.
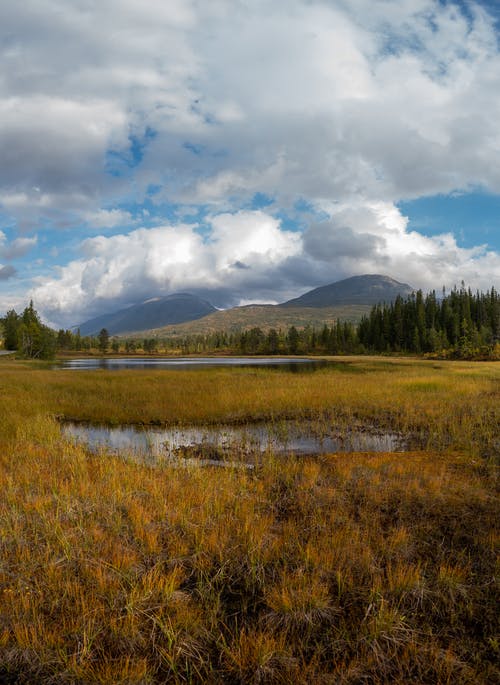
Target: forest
{"x": 460, "y": 324}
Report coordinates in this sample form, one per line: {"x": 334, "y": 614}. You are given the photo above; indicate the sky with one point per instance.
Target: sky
{"x": 244, "y": 150}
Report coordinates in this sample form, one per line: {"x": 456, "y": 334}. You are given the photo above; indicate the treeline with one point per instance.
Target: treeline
{"x": 336, "y": 339}
{"x": 67, "y": 341}
{"x": 462, "y": 324}
{"x": 26, "y": 334}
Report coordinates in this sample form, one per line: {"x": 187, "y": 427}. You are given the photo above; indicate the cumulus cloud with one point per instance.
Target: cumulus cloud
{"x": 348, "y": 105}
{"x": 17, "y": 247}
{"x": 123, "y": 269}
{"x": 52, "y": 149}
{"x": 378, "y": 240}
{"x": 318, "y": 99}
{"x": 338, "y": 103}
{"x": 250, "y": 252}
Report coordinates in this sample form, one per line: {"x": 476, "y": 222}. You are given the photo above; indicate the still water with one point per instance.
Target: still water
{"x": 154, "y": 363}
{"x": 284, "y": 437}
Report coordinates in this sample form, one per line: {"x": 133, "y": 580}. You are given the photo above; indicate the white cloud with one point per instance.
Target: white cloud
{"x": 52, "y": 143}
{"x": 318, "y": 99}
{"x": 378, "y": 240}
{"x": 243, "y": 251}
{"x": 350, "y": 105}
{"x": 16, "y": 248}
{"x": 108, "y": 218}
{"x": 250, "y": 252}
{"x": 249, "y": 239}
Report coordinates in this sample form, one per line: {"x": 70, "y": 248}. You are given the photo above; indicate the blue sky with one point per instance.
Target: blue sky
{"x": 473, "y": 218}
{"x": 244, "y": 151}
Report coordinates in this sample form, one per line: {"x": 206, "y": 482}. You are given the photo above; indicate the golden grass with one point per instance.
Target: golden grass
{"x": 447, "y": 403}
{"x": 341, "y": 569}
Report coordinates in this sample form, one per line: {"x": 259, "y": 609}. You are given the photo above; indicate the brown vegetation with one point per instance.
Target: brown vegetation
{"x": 342, "y": 569}
{"x": 264, "y": 316}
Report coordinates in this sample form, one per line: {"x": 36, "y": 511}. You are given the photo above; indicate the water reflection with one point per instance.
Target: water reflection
{"x": 223, "y": 441}
{"x": 155, "y": 363}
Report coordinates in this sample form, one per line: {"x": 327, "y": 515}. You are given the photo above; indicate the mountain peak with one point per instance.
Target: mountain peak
{"x": 366, "y": 289}
{"x": 153, "y": 313}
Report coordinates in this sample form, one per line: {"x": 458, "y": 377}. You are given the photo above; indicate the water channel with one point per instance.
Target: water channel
{"x": 218, "y": 443}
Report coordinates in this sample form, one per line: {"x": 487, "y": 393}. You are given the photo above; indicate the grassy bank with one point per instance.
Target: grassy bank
{"x": 345, "y": 569}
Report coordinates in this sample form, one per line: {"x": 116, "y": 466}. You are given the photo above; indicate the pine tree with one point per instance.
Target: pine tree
{"x": 103, "y": 339}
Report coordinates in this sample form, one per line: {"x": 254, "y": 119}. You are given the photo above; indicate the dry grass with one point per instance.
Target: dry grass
{"x": 342, "y": 569}
{"x": 448, "y": 404}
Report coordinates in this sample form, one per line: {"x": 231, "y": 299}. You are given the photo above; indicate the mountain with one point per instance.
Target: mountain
{"x": 347, "y": 300}
{"x": 369, "y": 289}
{"x": 162, "y": 311}
{"x": 184, "y": 314}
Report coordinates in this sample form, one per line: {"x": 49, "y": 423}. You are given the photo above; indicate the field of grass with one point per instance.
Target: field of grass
{"x": 353, "y": 568}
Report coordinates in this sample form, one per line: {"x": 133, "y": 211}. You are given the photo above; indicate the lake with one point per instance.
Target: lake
{"x": 159, "y": 363}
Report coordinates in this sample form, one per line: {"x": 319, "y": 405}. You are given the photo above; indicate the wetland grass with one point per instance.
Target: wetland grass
{"x": 342, "y": 569}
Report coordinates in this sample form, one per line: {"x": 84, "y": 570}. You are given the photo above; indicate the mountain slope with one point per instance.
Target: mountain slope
{"x": 264, "y": 316}
{"x": 173, "y": 309}
{"x": 369, "y": 289}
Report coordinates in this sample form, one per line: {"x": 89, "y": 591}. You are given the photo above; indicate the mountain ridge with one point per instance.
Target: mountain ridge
{"x": 348, "y": 300}
{"x": 154, "y": 312}
{"x": 186, "y": 314}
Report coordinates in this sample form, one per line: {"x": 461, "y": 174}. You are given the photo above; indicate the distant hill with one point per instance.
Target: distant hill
{"x": 173, "y": 309}
{"x": 368, "y": 290}
{"x": 264, "y": 316}
{"x": 182, "y": 314}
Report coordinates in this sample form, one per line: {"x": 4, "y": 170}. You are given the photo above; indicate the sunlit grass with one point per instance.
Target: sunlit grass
{"x": 343, "y": 568}
{"x": 447, "y": 404}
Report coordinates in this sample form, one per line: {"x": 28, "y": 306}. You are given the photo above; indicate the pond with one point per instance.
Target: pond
{"x": 293, "y": 364}
{"x": 219, "y": 443}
